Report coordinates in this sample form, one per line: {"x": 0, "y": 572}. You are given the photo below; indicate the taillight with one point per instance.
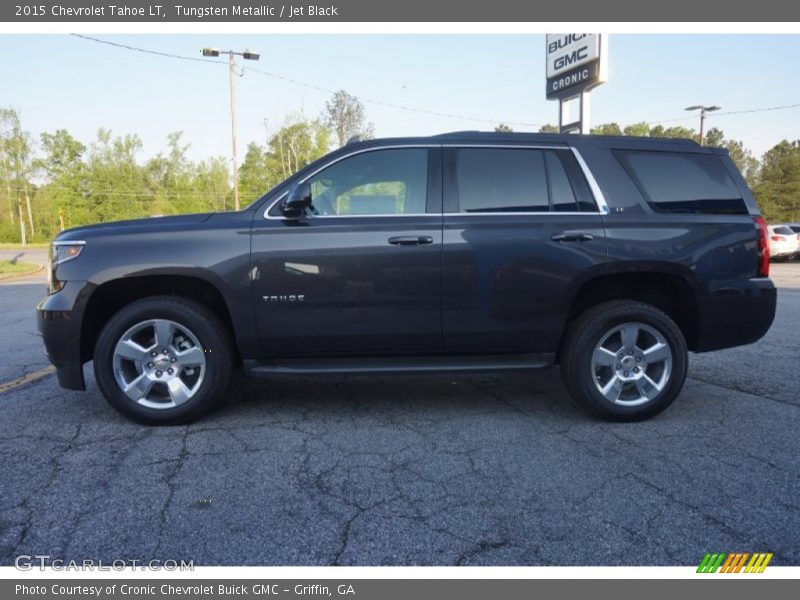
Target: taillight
{"x": 763, "y": 247}
{"x": 777, "y": 238}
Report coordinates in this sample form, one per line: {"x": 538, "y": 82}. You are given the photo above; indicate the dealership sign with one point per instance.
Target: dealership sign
{"x": 576, "y": 62}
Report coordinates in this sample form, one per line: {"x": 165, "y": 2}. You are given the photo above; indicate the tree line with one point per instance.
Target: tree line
{"x": 57, "y": 181}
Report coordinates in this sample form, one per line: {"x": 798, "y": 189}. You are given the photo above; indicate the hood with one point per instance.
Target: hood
{"x": 170, "y": 223}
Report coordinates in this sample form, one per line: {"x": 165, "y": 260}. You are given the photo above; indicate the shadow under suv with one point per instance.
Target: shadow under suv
{"x": 610, "y": 256}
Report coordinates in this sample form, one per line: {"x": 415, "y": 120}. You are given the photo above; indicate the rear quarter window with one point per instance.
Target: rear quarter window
{"x": 683, "y": 182}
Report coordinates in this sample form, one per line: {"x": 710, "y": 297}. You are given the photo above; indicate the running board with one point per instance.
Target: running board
{"x": 400, "y": 365}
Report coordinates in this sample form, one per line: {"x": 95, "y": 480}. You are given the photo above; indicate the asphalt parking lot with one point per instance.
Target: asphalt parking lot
{"x": 425, "y": 470}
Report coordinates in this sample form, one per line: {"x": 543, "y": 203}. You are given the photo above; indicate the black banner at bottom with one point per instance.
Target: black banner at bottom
{"x": 390, "y": 589}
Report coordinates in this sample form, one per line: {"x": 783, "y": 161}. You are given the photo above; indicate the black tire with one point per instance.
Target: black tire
{"x": 212, "y": 334}
{"x": 587, "y": 332}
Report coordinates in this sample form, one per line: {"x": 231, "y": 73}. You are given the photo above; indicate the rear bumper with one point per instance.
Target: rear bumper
{"x": 735, "y": 313}
{"x": 58, "y": 319}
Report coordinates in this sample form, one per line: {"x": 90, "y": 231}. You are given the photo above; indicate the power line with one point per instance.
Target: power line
{"x": 753, "y": 110}
{"x": 146, "y": 51}
{"x": 729, "y": 112}
{"x": 391, "y": 104}
{"x": 307, "y": 85}
{"x": 399, "y": 106}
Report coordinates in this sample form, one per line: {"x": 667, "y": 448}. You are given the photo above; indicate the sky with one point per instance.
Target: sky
{"x": 60, "y": 81}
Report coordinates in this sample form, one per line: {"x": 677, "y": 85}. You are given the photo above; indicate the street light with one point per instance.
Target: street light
{"x": 247, "y": 55}
{"x": 703, "y": 110}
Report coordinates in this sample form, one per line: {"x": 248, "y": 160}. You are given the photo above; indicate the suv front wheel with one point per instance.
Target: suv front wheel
{"x": 624, "y": 360}
{"x": 163, "y": 360}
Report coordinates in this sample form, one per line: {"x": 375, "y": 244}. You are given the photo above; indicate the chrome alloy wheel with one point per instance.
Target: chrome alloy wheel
{"x": 159, "y": 364}
{"x": 631, "y": 364}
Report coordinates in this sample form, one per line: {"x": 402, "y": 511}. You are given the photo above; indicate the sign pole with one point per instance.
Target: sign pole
{"x": 576, "y": 64}
{"x": 585, "y": 112}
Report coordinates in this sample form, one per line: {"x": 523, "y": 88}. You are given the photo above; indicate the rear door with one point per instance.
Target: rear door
{"x": 521, "y": 228}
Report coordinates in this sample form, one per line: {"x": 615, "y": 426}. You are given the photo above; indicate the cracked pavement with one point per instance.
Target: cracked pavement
{"x": 422, "y": 470}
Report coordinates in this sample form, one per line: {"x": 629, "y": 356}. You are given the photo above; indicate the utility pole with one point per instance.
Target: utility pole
{"x": 247, "y": 55}
{"x": 23, "y": 237}
{"x": 232, "y": 79}
{"x": 703, "y": 111}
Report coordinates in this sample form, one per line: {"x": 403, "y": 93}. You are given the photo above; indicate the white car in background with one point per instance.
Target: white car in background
{"x": 784, "y": 242}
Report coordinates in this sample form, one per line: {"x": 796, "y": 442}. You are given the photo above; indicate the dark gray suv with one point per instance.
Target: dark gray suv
{"x": 610, "y": 256}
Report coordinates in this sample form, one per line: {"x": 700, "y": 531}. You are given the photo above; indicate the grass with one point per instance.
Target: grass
{"x": 14, "y": 268}
{"x": 14, "y": 246}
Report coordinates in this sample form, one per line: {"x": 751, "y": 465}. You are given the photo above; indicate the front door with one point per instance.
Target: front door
{"x": 360, "y": 272}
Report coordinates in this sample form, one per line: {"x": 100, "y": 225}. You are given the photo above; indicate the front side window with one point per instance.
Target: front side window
{"x": 380, "y": 182}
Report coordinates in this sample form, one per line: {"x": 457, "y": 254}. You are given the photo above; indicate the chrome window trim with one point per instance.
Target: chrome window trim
{"x": 599, "y": 198}
{"x": 340, "y": 158}
{"x": 515, "y": 146}
{"x": 573, "y": 213}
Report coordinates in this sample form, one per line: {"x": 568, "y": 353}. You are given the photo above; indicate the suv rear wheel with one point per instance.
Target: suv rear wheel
{"x": 163, "y": 360}
{"x": 624, "y": 360}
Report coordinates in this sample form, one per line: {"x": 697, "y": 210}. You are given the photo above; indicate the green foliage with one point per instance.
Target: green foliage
{"x": 607, "y": 129}
{"x": 503, "y": 128}
{"x": 778, "y": 183}
{"x": 104, "y": 180}
{"x": 346, "y": 116}
{"x": 637, "y": 129}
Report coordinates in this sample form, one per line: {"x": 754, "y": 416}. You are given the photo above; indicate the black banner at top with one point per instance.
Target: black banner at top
{"x": 135, "y": 11}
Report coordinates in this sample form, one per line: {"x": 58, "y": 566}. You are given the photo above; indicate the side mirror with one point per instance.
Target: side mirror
{"x": 298, "y": 200}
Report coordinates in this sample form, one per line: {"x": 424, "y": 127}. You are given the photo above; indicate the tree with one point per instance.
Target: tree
{"x": 345, "y": 114}
{"x": 778, "y": 187}
{"x": 503, "y": 128}
{"x": 674, "y": 132}
{"x": 607, "y": 129}
{"x": 547, "y": 128}
{"x": 641, "y": 129}
{"x": 254, "y": 175}
{"x": 17, "y": 167}
{"x": 65, "y": 174}
{"x": 714, "y": 137}
{"x": 294, "y": 146}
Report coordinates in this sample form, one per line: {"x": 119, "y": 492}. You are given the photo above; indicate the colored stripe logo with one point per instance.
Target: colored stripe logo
{"x": 735, "y": 562}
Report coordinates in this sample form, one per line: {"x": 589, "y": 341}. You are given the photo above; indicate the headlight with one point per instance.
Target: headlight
{"x": 61, "y": 252}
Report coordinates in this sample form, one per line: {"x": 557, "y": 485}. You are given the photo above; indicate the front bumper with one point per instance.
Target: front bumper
{"x": 58, "y": 318}
{"x": 735, "y": 313}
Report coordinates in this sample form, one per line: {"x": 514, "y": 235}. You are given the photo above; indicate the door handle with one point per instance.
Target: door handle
{"x": 572, "y": 236}
{"x": 410, "y": 240}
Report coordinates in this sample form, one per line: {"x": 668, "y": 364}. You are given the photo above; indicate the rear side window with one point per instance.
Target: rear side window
{"x": 683, "y": 182}
{"x": 783, "y": 231}
{"x": 520, "y": 180}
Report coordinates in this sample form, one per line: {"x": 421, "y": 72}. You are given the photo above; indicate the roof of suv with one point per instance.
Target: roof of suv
{"x": 492, "y": 137}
